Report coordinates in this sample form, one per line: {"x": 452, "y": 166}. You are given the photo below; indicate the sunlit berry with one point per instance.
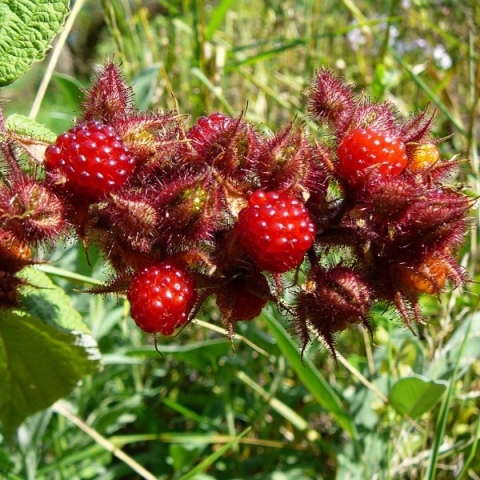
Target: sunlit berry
{"x": 424, "y": 157}
{"x": 90, "y": 161}
{"x": 366, "y": 151}
{"x": 161, "y": 297}
{"x": 275, "y": 230}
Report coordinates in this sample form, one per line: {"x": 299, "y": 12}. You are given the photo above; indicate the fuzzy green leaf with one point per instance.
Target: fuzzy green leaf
{"x": 45, "y": 350}
{"x": 27, "y": 28}
{"x": 38, "y": 365}
{"x": 45, "y": 300}
{"x": 24, "y": 127}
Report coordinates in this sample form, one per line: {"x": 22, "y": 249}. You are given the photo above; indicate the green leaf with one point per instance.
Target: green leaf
{"x": 311, "y": 378}
{"x": 49, "y": 303}
{"x": 71, "y": 88}
{"x": 184, "y": 456}
{"x": 22, "y": 126}
{"x": 414, "y": 396}
{"x": 27, "y": 28}
{"x": 45, "y": 350}
{"x": 38, "y": 365}
{"x": 33, "y": 137}
{"x": 144, "y": 86}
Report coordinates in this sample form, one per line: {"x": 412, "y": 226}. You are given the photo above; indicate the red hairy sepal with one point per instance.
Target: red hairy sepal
{"x": 109, "y": 98}
{"x": 31, "y": 211}
{"x": 128, "y": 218}
{"x": 14, "y": 256}
{"x": 331, "y": 101}
{"x": 417, "y": 129}
{"x": 10, "y": 285}
{"x": 191, "y": 208}
{"x": 411, "y": 214}
{"x": 153, "y": 138}
{"x": 378, "y": 116}
{"x": 230, "y": 145}
{"x": 330, "y": 301}
{"x": 244, "y": 298}
{"x": 289, "y": 162}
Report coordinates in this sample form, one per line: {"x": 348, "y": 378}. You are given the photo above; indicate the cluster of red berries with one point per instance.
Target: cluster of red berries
{"x": 221, "y": 210}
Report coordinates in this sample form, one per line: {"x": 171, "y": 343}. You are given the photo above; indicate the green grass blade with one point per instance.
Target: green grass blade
{"x": 433, "y": 96}
{"x": 266, "y": 54}
{"x": 90, "y": 452}
{"x": 444, "y": 413}
{"x": 67, "y": 275}
{"x": 202, "y": 77}
{"x": 311, "y": 377}
{"x": 284, "y": 410}
{"x": 202, "y": 421}
{"x": 211, "y": 459}
{"x": 217, "y": 17}
{"x": 472, "y": 454}
{"x": 195, "y": 438}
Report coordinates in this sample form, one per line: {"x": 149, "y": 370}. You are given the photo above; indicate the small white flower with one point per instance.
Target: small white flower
{"x": 441, "y": 56}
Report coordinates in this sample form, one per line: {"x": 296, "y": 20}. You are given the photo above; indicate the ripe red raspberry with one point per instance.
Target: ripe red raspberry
{"x": 275, "y": 230}
{"x": 367, "y": 151}
{"x": 161, "y": 297}
{"x": 91, "y": 159}
{"x": 206, "y": 131}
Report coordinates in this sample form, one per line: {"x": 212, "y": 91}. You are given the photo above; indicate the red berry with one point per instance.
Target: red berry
{"x": 91, "y": 159}
{"x": 161, "y": 297}
{"x": 275, "y": 230}
{"x": 367, "y": 151}
{"x": 207, "y": 130}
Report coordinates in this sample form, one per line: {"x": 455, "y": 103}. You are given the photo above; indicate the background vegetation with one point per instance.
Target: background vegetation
{"x": 400, "y": 406}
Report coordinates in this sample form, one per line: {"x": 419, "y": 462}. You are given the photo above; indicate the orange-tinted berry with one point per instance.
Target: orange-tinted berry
{"x": 424, "y": 157}
{"x": 428, "y": 277}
